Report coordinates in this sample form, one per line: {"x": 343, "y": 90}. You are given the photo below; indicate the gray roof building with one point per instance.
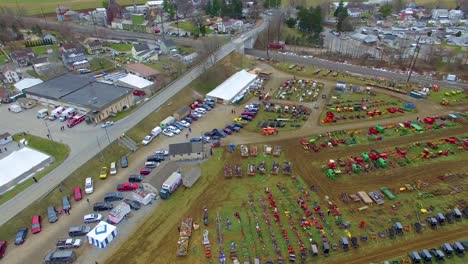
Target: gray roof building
{"x": 185, "y": 148}
{"x": 79, "y": 90}
{"x": 141, "y": 47}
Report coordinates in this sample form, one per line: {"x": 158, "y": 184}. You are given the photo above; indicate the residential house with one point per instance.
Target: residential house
{"x": 142, "y": 52}
{"x": 94, "y": 46}
{"x": 154, "y": 4}
{"x": 143, "y": 71}
{"x": 355, "y": 12}
{"x": 455, "y": 14}
{"x": 391, "y": 40}
{"x": 117, "y": 23}
{"x": 23, "y": 57}
{"x": 186, "y": 151}
{"x": 366, "y": 39}
{"x": 440, "y": 13}
{"x": 99, "y": 16}
{"x": 136, "y": 9}
{"x": 167, "y": 46}
{"x": 75, "y": 60}
{"x": 69, "y": 47}
{"x": 71, "y": 15}
{"x": 50, "y": 37}
{"x": 10, "y": 75}
{"x": 230, "y": 25}
{"x": 41, "y": 65}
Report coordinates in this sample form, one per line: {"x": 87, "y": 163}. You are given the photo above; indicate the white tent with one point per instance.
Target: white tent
{"x": 232, "y": 87}
{"x": 27, "y": 83}
{"x": 133, "y": 81}
{"x": 102, "y": 234}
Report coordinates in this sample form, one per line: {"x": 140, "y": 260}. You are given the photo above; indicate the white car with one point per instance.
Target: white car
{"x": 201, "y": 110}
{"x": 147, "y": 140}
{"x": 174, "y": 130}
{"x": 162, "y": 152}
{"x": 89, "y": 185}
{"x": 168, "y": 133}
{"x": 107, "y": 124}
{"x": 197, "y": 114}
{"x": 92, "y": 218}
{"x": 184, "y": 123}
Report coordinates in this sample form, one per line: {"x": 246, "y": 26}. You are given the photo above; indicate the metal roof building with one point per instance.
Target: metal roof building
{"x": 232, "y": 87}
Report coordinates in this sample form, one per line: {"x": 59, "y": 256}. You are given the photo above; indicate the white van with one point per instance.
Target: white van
{"x": 113, "y": 168}
{"x": 67, "y": 114}
{"x": 89, "y": 186}
{"x": 41, "y": 114}
{"x": 156, "y": 131}
{"x": 54, "y": 114}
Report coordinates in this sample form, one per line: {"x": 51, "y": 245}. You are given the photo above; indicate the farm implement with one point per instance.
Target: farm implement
{"x": 228, "y": 171}
{"x": 184, "y": 236}
{"x": 244, "y": 150}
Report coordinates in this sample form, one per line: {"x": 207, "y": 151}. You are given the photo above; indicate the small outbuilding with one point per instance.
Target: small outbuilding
{"x": 102, "y": 234}
{"x": 186, "y": 151}
{"x": 5, "y": 138}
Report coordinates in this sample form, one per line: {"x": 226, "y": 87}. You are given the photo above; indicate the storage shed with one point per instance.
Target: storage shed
{"x": 102, "y": 234}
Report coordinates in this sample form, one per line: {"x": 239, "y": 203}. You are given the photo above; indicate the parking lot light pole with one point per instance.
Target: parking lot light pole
{"x": 48, "y": 131}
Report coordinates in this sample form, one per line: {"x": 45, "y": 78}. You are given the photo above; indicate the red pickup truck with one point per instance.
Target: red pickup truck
{"x": 127, "y": 186}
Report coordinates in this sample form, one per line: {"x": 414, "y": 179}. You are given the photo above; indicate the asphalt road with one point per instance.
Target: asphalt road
{"x": 89, "y": 146}
{"x": 336, "y": 66}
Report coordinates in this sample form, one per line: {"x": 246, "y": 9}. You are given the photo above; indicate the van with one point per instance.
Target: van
{"x": 52, "y": 214}
{"x": 156, "y": 131}
{"x": 54, "y": 114}
{"x": 41, "y": 114}
{"x": 66, "y": 203}
{"x": 113, "y": 168}
{"x": 60, "y": 256}
{"x": 113, "y": 196}
{"x": 67, "y": 114}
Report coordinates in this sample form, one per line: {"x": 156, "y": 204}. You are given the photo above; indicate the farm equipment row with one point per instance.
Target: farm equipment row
{"x": 252, "y": 169}
{"x": 300, "y": 90}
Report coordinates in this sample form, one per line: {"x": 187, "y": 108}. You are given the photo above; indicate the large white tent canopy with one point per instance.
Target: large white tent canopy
{"x": 233, "y": 86}
{"x": 19, "y": 162}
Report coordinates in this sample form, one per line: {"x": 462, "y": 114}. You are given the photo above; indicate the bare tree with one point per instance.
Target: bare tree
{"x": 184, "y": 7}
{"x": 207, "y": 52}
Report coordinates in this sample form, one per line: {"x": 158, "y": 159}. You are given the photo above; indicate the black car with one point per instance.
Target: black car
{"x": 209, "y": 134}
{"x": 113, "y": 196}
{"x": 246, "y": 117}
{"x": 103, "y": 206}
{"x": 21, "y": 235}
{"x": 155, "y": 158}
{"x": 135, "y": 178}
{"x": 188, "y": 119}
{"x": 133, "y": 204}
{"x": 238, "y": 125}
{"x": 206, "y": 106}
{"x": 233, "y": 128}
{"x": 124, "y": 162}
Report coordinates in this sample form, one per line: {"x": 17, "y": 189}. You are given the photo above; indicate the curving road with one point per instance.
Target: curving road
{"x": 337, "y": 66}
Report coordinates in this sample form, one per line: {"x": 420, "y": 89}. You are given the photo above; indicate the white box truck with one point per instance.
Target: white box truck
{"x": 119, "y": 212}
{"x": 170, "y": 185}
{"x": 143, "y": 196}
{"x": 156, "y": 131}
{"x": 67, "y": 114}
{"x": 168, "y": 121}
{"x": 54, "y": 114}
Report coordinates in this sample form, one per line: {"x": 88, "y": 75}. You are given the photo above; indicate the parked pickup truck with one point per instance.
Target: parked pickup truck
{"x": 67, "y": 243}
{"x": 127, "y": 186}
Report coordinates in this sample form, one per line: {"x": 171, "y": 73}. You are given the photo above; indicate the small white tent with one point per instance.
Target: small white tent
{"x": 102, "y": 234}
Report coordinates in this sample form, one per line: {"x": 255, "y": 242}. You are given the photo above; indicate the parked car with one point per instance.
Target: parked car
{"x": 123, "y": 162}
{"x": 219, "y": 132}
{"x": 197, "y": 114}
{"x": 92, "y": 218}
{"x": 194, "y": 117}
{"x": 133, "y": 204}
{"x": 206, "y": 107}
{"x": 155, "y": 158}
{"x": 52, "y": 214}
{"x": 246, "y": 117}
{"x": 107, "y": 124}
{"x": 151, "y": 164}
{"x": 113, "y": 168}
{"x": 201, "y": 110}
{"x": 188, "y": 120}
{"x": 89, "y": 185}
{"x": 77, "y": 194}
{"x": 62, "y": 256}
{"x": 66, "y": 243}
{"x": 135, "y": 178}
{"x": 145, "y": 171}
{"x": 66, "y": 203}
{"x": 227, "y": 131}
{"x": 113, "y": 196}
{"x": 184, "y": 123}
{"x": 234, "y": 128}
{"x": 75, "y": 231}
{"x": 21, "y": 235}
{"x": 103, "y": 173}
{"x": 102, "y": 206}
{"x": 174, "y": 130}
{"x": 168, "y": 133}
{"x": 3, "y": 247}
{"x": 162, "y": 152}
{"x": 247, "y": 113}
{"x": 196, "y": 139}
{"x": 127, "y": 186}
{"x": 36, "y": 224}
{"x": 240, "y": 120}
{"x": 147, "y": 140}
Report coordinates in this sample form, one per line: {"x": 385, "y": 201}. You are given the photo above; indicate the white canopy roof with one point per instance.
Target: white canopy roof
{"x": 101, "y": 231}
{"x": 233, "y": 86}
{"x": 19, "y": 162}
{"x": 135, "y": 81}
{"x": 27, "y": 82}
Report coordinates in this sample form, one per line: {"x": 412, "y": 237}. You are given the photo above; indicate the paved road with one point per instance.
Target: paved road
{"x": 352, "y": 68}
{"x": 89, "y": 148}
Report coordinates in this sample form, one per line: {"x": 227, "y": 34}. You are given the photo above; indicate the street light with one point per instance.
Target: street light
{"x": 48, "y": 131}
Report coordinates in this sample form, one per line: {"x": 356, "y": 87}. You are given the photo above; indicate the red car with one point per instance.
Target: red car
{"x": 36, "y": 224}
{"x": 127, "y": 186}
{"x": 3, "y": 246}
{"x": 77, "y": 194}
{"x": 247, "y": 113}
{"x": 145, "y": 171}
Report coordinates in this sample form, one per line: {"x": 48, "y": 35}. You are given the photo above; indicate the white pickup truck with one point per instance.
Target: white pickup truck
{"x": 67, "y": 243}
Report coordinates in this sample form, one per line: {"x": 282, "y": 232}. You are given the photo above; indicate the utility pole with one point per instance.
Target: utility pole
{"x": 45, "y": 20}
{"x": 415, "y": 58}
{"x": 105, "y": 129}
{"x": 100, "y": 148}
{"x": 48, "y": 131}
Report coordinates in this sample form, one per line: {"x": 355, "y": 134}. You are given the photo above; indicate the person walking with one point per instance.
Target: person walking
{"x": 34, "y": 179}
{"x": 87, "y": 200}
{"x": 190, "y": 130}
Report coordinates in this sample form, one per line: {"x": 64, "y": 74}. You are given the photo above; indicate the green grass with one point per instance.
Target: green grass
{"x": 33, "y": 73}
{"x": 453, "y": 99}
{"x": 35, "y": 7}
{"x": 186, "y": 49}
{"x": 188, "y": 26}
{"x": 57, "y": 150}
{"x": 98, "y": 64}
{"x": 91, "y": 169}
{"x": 121, "y": 47}
{"x": 122, "y": 114}
{"x": 3, "y": 59}
{"x": 40, "y": 50}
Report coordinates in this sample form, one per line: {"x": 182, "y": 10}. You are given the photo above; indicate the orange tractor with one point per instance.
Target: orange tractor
{"x": 269, "y": 131}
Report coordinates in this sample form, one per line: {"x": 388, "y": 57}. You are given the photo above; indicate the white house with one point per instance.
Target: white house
{"x": 143, "y": 52}
{"x": 231, "y": 24}
{"x": 455, "y": 14}
{"x": 11, "y": 76}
{"x": 440, "y": 13}
{"x": 117, "y": 23}
{"x": 355, "y": 12}
{"x": 102, "y": 234}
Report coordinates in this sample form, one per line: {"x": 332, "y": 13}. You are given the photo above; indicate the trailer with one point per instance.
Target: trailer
{"x": 166, "y": 122}
{"x": 119, "y": 212}
{"x": 377, "y": 197}
{"x": 170, "y": 185}
{"x": 387, "y": 193}
{"x": 364, "y": 197}
{"x": 143, "y": 196}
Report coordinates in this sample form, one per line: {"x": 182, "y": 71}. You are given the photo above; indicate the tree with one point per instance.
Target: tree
{"x": 341, "y": 13}
{"x": 386, "y": 10}
{"x": 272, "y": 3}
{"x": 184, "y": 7}
{"x": 236, "y": 7}
{"x": 458, "y": 34}
{"x": 291, "y": 22}
{"x": 105, "y": 3}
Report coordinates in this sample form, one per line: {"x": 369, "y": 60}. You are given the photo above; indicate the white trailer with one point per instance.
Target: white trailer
{"x": 156, "y": 131}
{"x": 119, "y": 212}
{"x": 143, "y": 196}
{"x": 170, "y": 185}
{"x": 67, "y": 114}
{"x": 168, "y": 121}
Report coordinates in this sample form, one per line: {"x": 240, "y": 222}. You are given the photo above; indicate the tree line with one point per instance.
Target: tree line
{"x": 223, "y": 8}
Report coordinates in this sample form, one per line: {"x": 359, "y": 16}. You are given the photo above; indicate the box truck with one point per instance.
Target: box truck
{"x": 168, "y": 121}
{"x": 54, "y": 114}
{"x": 119, "y": 212}
{"x": 156, "y": 131}
{"x": 170, "y": 185}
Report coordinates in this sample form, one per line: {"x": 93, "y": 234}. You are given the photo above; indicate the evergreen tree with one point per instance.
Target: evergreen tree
{"x": 341, "y": 13}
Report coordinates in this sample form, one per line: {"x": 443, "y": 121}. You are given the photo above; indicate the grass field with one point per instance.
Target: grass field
{"x": 188, "y": 26}
{"x": 58, "y": 150}
{"x": 35, "y": 7}
{"x": 122, "y": 47}
{"x": 457, "y": 98}
{"x": 3, "y": 59}
{"x": 98, "y": 64}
